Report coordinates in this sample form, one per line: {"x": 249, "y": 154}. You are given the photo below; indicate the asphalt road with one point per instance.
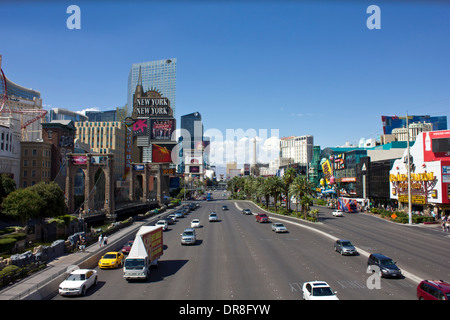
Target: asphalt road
{"x": 237, "y": 258}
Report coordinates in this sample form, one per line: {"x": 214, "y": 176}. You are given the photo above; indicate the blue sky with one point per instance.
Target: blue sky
{"x": 303, "y": 67}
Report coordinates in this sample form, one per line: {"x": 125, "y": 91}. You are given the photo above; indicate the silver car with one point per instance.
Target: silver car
{"x": 213, "y": 217}
{"x": 345, "y": 247}
{"x": 188, "y": 237}
{"x": 278, "y": 227}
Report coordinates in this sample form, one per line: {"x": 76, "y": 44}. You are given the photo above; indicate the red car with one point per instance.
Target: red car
{"x": 127, "y": 247}
{"x": 433, "y": 290}
{"x": 262, "y": 217}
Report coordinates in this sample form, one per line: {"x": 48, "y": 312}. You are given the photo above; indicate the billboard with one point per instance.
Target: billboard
{"x": 327, "y": 171}
{"x": 140, "y": 127}
{"x": 162, "y": 129}
{"x": 79, "y": 159}
{"x": 162, "y": 153}
{"x": 194, "y": 169}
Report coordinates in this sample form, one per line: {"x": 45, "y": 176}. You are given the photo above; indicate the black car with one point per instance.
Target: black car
{"x": 224, "y": 208}
{"x": 387, "y": 267}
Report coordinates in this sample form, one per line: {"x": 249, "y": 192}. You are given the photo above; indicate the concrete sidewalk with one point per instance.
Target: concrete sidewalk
{"x": 43, "y": 284}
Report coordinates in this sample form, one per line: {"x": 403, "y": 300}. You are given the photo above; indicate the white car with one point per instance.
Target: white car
{"x": 278, "y": 227}
{"x": 318, "y": 290}
{"x": 195, "y": 223}
{"x": 78, "y": 282}
{"x": 338, "y": 213}
{"x": 163, "y": 224}
{"x": 213, "y": 217}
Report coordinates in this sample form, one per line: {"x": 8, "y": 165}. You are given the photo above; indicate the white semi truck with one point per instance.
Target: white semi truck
{"x": 145, "y": 252}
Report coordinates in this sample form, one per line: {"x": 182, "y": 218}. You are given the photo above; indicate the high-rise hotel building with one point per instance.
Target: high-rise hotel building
{"x": 159, "y": 75}
{"x": 105, "y": 137}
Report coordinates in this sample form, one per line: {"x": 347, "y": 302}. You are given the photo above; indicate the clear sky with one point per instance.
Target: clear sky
{"x": 302, "y": 67}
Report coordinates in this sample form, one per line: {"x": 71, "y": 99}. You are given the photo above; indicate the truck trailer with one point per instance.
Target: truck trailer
{"x": 145, "y": 252}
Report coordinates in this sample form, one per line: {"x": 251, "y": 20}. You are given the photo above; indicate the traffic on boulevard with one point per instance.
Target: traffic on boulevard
{"x": 236, "y": 257}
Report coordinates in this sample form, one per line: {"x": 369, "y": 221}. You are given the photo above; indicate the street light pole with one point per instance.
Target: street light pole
{"x": 409, "y": 173}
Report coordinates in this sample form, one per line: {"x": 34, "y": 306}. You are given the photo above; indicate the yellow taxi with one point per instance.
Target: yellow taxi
{"x": 111, "y": 260}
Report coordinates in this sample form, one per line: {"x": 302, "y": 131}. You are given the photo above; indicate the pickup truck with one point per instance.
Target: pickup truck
{"x": 262, "y": 217}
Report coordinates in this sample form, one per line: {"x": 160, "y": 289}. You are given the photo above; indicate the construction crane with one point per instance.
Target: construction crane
{"x": 40, "y": 113}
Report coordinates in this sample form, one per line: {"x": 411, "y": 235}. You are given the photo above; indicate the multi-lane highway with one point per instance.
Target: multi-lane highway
{"x": 237, "y": 258}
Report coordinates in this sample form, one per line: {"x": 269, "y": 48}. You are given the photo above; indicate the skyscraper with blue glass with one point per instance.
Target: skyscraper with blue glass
{"x": 159, "y": 75}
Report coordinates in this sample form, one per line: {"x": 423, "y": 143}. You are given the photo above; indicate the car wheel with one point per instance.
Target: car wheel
{"x": 95, "y": 281}
{"x": 83, "y": 290}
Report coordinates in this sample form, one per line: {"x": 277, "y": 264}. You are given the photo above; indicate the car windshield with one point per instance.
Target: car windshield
{"x": 109, "y": 256}
{"x": 279, "y": 225}
{"x": 346, "y": 243}
{"x": 212, "y": 215}
{"x": 76, "y": 277}
{"x": 387, "y": 262}
{"x": 134, "y": 263}
{"x": 188, "y": 233}
{"x": 322, "y": 291}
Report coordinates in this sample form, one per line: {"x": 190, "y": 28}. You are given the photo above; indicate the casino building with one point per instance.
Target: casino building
{"x": 160, "y": 74}
{"x": 430, "y": 174}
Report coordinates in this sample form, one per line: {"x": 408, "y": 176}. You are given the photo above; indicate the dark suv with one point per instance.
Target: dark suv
{"x": 433, "y": 290}
{"x": 388, "y": 268}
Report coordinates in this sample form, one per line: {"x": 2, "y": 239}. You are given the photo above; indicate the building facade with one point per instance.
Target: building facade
{"x": 36, "y": 163}
{"x": 10, "y": 137}
{"x": 64, "y": 114}
{"x": 430, "y": 174}
{"x": 23, "y": 104}
{"x": 298, "y": 148}
{"x": 105, "y": 137}
{"x": 392, "y": 122}
{"x": 401, "y": 134}
{"x": 60, "y": 134}
{"x": 159, "y": 74}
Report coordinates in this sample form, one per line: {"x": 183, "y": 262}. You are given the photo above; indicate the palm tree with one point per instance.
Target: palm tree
{"x": 275, "y": 189}
{"x": 258, "y": 187}
{"x": 265, "y": 190}
{"x": 288, "y": 177}
{"x": 301, "y": 187}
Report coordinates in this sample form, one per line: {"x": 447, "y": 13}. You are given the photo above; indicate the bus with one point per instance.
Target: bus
{"x": 347, "y": 205}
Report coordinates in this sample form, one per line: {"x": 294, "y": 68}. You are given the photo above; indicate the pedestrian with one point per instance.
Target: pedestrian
{"x": 105, "y": 240}
{"x": 100, "y": 240}
{"x": 83, "y": 244}
{"x": 444, "y": 222}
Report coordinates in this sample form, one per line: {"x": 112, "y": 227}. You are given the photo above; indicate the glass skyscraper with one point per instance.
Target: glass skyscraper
{"x": 159, "y": 75}
{"x": 393, "y": 122}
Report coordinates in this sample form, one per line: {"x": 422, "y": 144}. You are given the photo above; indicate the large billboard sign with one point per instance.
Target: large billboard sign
{"x": 153, "y": 126}
{"x": 162, "y": 129}
{"x": 162, "y": 153}
{"x": 436, "y": 145}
